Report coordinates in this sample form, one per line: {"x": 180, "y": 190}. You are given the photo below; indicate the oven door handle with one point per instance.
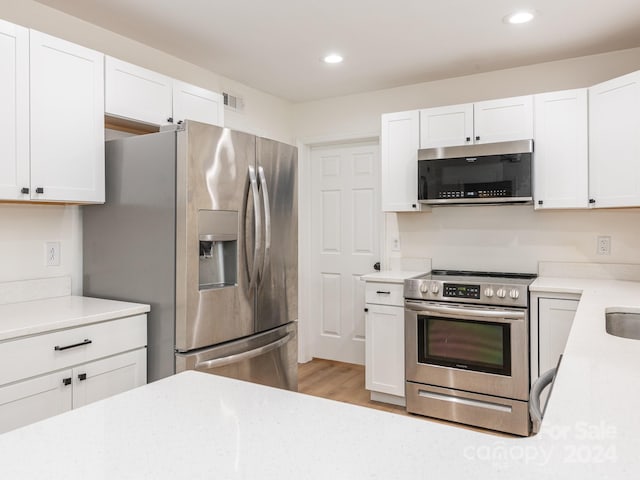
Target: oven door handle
{"x": 500, "y": 316}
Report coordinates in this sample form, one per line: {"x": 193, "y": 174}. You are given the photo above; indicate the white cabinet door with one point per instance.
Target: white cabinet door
{"x": 35, "y": 399}
{"x": 446, "y": 126}
{"x": 503, "y": 120}
{"x": 109, "y": 376}
{"x": 561, "y": 165}
{"x": 135, "y": 93}
{"x": 614, "y": 142}
{"x": 399, "y": 142}
{"x": 67, "y": 121}
{"x": 195, "y": 103}
{"x": 555, "y": 317}
{"x": 384, "y": 370}
{"x": 14, "y": 102}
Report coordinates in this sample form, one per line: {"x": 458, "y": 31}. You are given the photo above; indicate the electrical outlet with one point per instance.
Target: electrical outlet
{"x": 604, "y": 245}
{"x": 396, "y": 244}
{"x": 52, "y": 254}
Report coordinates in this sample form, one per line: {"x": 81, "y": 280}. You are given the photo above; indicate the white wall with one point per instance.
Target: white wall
{"x": 512, "y": 238}
{"x": 24, "y": 229}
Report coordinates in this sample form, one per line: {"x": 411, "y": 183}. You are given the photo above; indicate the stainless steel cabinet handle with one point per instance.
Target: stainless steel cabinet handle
{"x": 267, "y": 221}
{"x": 220, "y": 362}
{"x": 460, "y": 312}
{"x": 534, "y": 397}
{"x": 253, "y": 274}
{"x": 86, "y": 341}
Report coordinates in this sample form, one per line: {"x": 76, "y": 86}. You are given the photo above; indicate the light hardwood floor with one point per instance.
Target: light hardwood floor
{"x": 339, "y": 381}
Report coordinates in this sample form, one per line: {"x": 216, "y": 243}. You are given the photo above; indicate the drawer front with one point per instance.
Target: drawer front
{"x": 384, "y": 293}
{"x": 30, "y": 356}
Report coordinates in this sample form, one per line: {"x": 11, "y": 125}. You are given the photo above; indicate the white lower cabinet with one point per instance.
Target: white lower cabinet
{"x": 109, "y": 376}
{"x": 551, "y": 320}
{"x": 53, "y": 372}
{"x": 35, "y": 399}
{"x": 384, "y": 349}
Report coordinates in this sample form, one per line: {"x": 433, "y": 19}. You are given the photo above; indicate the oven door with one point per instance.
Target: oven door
{"x": 473, "y": 348}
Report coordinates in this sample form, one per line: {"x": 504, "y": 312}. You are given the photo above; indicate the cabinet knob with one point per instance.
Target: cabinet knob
{"x": 66, "y": 381}
{"x": 24, "y": 190}
{"x": 39, "y": 190}
{"x": 592, "y": 200}
{"x": 366, "y": 310}
{"x": 540, "y": 202}
{"x": 413, "y": 205}
{"x": 170, "y": 119}
{"x": 82, "y": 376}
{"x": 468, "y": 139}
{"x": 478, "y": 137}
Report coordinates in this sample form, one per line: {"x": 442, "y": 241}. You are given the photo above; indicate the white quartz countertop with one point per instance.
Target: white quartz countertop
{"x": 39, "y": 316}
{"x": 390, "y": 276}
{"x": 200, "y": 426}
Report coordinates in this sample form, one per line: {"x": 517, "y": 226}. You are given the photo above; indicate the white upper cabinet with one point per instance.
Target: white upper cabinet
{"x": 67, "y": 121}
{"x": 141, "y": 95}
{"x": 500, "y": 120}
{"x": 14, "y": 121}
{"x": 195, "y": 103}
{"x": 614, "y": 142}
{"x": 136, "y": 93}
{"x": 503, "y": 120}
{"x": 446, "y": 126}
{"x": 561, "y": 165}
{"x": 399, "y": 143}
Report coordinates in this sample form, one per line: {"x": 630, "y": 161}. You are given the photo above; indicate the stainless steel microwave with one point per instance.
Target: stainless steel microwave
{"x": 476, "y": 174}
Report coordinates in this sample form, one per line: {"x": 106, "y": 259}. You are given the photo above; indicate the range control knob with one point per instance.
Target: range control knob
{"x": 488, "y": 292}
{"x": 501, "y": 293}
{"x": 514, "y": 293}
{"x": 435, "y": 288}
{"x": 424, "y": 288}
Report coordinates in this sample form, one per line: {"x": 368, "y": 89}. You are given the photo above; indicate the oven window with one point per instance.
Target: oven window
{"x": 465, "y": 344}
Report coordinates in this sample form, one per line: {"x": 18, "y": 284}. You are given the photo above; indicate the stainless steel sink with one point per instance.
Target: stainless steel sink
{"x": 623, "y": 324}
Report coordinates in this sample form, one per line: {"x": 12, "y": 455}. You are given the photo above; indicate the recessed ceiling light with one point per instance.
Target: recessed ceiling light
{"x": 519, "y": 17}
{"x": 333, "y": 58}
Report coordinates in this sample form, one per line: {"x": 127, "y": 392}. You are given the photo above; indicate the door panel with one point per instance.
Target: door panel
{"x": 277, "y": 299}
{"x": 216, "y": 180}
{"x": 345, "y": 209}
{"x": 14, "y": 121}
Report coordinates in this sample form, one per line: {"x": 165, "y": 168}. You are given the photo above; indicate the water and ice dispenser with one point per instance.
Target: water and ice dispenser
{"x": 218, "y": 235}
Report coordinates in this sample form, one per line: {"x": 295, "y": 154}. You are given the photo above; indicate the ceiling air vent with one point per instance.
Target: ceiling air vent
{"x": 232, "y": 102}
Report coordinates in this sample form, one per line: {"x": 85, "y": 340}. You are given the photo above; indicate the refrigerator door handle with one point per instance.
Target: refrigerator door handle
{"x": 253, "y": 273}
{"x": 238, "y": 357}
{"x": 267, "y": 221}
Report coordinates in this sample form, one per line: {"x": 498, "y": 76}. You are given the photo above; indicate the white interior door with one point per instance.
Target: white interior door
{"x": 345, "y": 213}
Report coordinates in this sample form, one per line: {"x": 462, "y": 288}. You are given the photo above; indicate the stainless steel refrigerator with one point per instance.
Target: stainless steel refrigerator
{"x": 201, "y": 223}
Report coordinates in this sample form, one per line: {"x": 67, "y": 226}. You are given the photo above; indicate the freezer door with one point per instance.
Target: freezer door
{"x": 216, "y": 194}
{"x": 268, "y": 358}
{"x": 277, "y": 299}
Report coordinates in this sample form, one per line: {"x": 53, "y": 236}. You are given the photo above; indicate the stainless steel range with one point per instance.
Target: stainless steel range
{"x": 467, "y": 348}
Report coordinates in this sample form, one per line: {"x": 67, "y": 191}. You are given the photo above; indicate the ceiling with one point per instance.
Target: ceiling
{"x": 276, "y": 45}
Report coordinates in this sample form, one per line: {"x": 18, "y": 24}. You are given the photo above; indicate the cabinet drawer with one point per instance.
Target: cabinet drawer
{"x": 36, "y": 355}
{"x": 384, "y": 293}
